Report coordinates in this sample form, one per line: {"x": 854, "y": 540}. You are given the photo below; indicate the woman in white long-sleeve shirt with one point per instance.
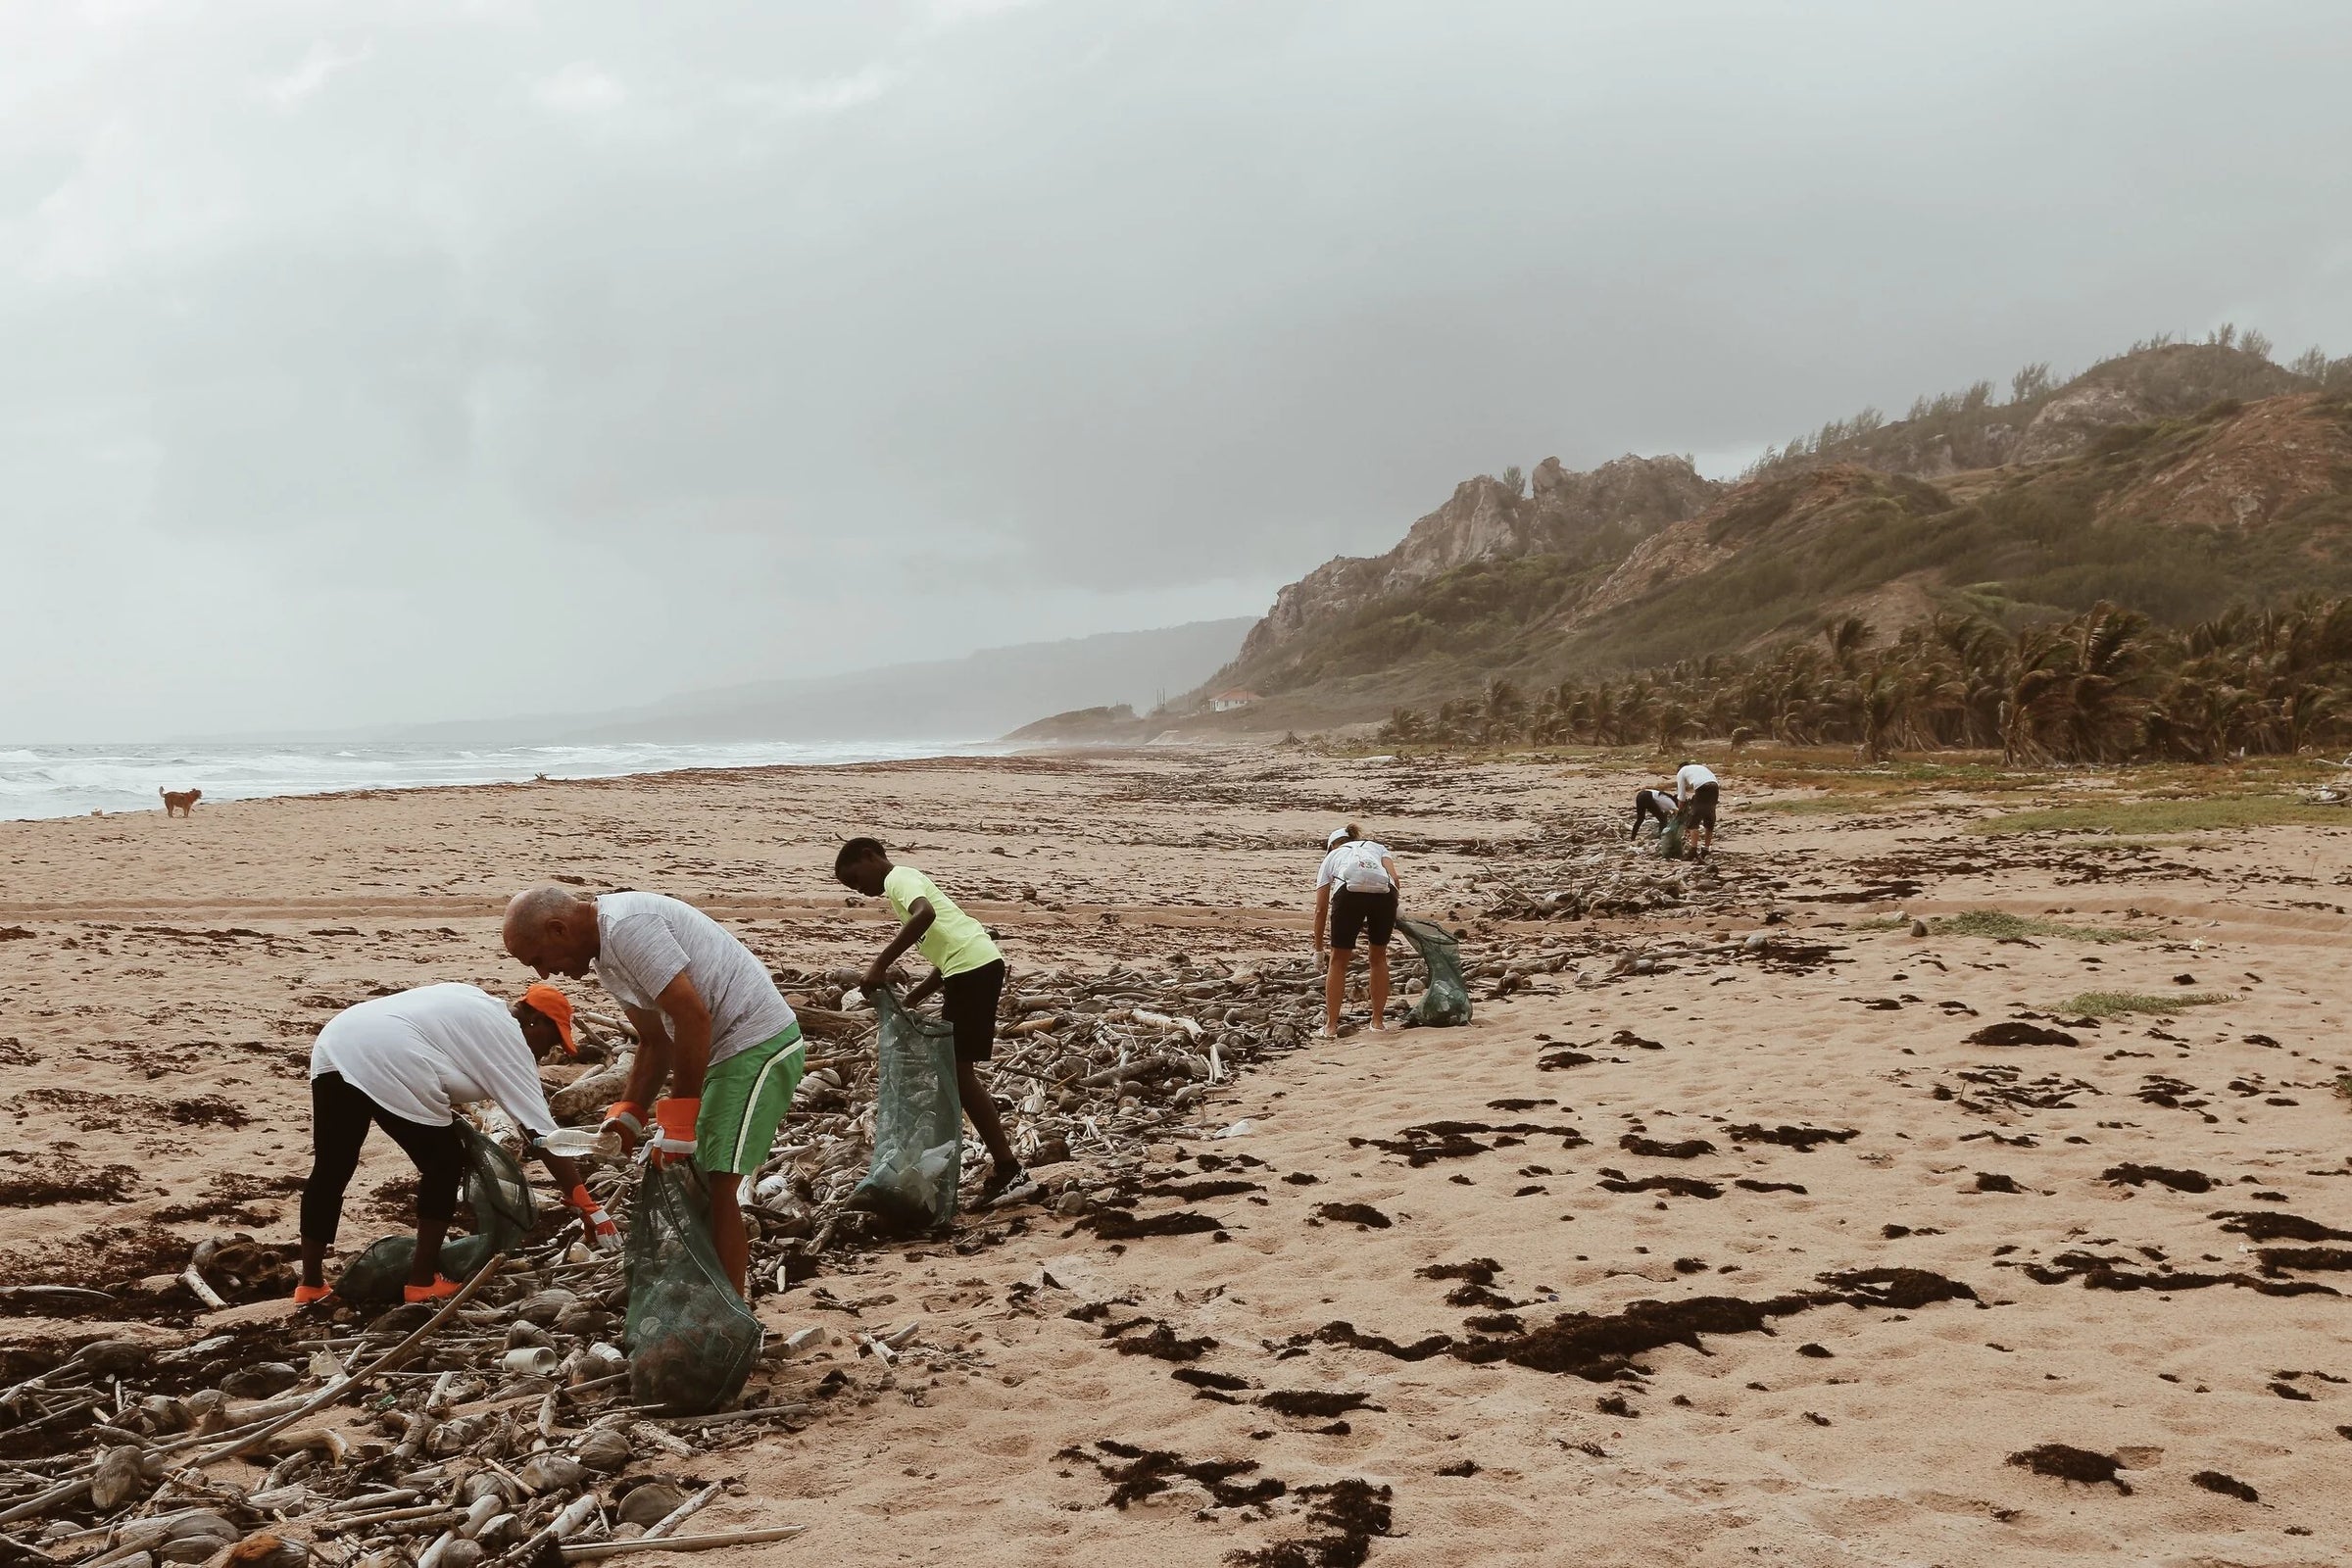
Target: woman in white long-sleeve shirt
{"x": 1355, "y": 893}
{"x": 405, "y": 1063}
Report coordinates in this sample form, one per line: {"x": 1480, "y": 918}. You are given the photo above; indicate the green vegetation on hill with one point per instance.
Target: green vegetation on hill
{"x": 2036, "y": 543}
{"x": 1968, "y": 429}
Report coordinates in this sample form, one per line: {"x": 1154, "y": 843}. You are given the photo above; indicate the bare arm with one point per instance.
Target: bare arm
{"x": 1322, "y": 913}
{"x": 923, "y": 991}
{"x": 690, "y": 1039}
{"x": 1395, "y": 881}
{"x": 653, "y": 1055}
{"x": 919, "y": 915}
{"x": 566, "y": 1172}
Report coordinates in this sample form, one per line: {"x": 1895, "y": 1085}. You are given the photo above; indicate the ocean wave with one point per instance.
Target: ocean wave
{"x": 75, "y": 780}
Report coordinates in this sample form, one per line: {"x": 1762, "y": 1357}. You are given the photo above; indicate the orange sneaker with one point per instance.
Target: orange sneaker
{"x": 305, "y": 1295}
{"x": 441, "y": 1290}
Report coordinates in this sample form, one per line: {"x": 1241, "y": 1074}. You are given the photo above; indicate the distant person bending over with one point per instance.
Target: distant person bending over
{"x": 405, "y": 1063}
{"x": 708, "y": 1018}
{"x": 1355, "y": 890}
{"x": 967, "y": 971}
{"x": 1648, "y": 803}
{"x": 1695, "y": 789}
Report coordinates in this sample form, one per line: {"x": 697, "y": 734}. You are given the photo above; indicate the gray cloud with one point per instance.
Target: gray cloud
{"x": 776, "y": 339}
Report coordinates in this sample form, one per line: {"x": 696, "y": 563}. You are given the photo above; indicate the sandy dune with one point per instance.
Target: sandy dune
{"x": 1942, "y": 1260}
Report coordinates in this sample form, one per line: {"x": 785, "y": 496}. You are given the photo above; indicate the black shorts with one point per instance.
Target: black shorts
{"x": 1700, "y": 809}
{"x": 1373, "y": 913}
{"x": 968, "y": 1001}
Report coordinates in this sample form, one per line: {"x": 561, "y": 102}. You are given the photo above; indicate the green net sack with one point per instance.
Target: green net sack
{"x": 1447, "y": 1001}
{"x": 691, "y": 1339}
{"x": 1673, "y": 839}
{"x": 918, "y": 1124}
{"x": 494, "y": 1186}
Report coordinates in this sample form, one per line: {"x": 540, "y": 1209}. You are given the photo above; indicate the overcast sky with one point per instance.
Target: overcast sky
{"x": 424, "y": 359}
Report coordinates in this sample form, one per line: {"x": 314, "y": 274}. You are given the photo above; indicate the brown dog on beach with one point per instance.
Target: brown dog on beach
{"x": 180, "y": 803}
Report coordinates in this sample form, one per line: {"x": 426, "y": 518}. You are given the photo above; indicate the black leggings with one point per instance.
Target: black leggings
{"x": 339, "y": 1118}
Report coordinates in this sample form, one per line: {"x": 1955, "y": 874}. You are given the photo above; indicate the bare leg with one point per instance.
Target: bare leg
{"x": 423, "y": 1267}
{"x": 1380, "y": 988}
{"x": 1335, "y": 989}
{"x": 728, "y": 1235}
{"x": 314, "y": 1261}
{"x": 981, "y": 1107}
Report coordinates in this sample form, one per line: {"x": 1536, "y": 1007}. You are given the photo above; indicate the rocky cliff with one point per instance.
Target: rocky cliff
{"x": 1564, "y": 514}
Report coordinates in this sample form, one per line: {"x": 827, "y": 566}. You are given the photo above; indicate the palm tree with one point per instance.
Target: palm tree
{"x": 1846, "y": 639}
{"x": 1502, "y": 709}
{"x": 1671, "y": 725}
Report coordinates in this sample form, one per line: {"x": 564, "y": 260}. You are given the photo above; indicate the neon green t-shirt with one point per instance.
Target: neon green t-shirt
{"x": 957, "y": 943}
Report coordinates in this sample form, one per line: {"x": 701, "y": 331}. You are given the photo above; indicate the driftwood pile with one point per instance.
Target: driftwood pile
{"x": 498, "y": 1429}
{"x": 495, "y": 1428}
{"x": 1611, "y": 881}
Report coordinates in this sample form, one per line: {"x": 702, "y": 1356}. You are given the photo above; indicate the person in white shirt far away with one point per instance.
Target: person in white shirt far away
{"x": 1695, "y": 786}
{"x": 1355, "y": 893}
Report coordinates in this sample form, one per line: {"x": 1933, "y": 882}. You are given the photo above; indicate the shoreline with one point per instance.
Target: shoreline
{"x": 193, "y": 772}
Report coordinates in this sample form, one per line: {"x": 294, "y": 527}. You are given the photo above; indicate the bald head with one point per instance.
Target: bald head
{"x": 553, "y": 930}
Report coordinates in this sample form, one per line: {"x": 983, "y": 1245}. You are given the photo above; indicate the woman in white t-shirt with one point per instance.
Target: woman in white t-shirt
{"x": 1355, "y": 891}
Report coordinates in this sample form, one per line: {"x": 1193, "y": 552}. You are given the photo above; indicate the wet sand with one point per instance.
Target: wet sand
{"x": 1889, "y": 1257}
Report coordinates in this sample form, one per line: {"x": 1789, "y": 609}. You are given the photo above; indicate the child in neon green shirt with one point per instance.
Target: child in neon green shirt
{"x": 967, "y": 971}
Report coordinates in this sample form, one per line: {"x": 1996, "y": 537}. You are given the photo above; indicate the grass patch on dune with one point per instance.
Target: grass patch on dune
{"x": 1997, "y": 923}
{"x": 2164, "y": 816}
{"x": 2112, "y": 1004}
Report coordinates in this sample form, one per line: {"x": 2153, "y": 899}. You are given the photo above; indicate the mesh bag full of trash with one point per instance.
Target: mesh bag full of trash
{"x": 1672, "y": 839}
{"x": 494, "y": 1185}
{"x": 918, "y": 1124}
{"x": 691, "y": 1339}
{"x": 1446, "y": 999}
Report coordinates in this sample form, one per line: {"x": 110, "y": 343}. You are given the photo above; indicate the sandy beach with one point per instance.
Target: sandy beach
{"x": 1890, "y": 1257}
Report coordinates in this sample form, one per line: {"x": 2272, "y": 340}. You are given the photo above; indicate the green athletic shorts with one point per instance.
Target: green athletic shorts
{"x": 744, "y": 1101}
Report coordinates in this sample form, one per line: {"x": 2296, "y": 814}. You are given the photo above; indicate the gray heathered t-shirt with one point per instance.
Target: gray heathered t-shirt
{"x": 643, "y": 941}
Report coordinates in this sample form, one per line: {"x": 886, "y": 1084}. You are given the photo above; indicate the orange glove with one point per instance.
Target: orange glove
{"x": 602, "y": 1234}
{"x": 674, "y": 1136}
{"x": 627, "y": 1118}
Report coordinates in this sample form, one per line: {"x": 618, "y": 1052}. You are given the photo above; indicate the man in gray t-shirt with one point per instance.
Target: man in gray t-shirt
{"x": 644, "y": 940}
{"x": 708, "y": 1018}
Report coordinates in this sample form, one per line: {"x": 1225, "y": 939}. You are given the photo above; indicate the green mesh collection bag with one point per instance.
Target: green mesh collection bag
{"x": 501, "y": 1198}
{"x": 1672, "y": 839}
{"x": 691, "y": 1339}
{"x": 918, "y": 1124}
{"x": 1446, "y": 999}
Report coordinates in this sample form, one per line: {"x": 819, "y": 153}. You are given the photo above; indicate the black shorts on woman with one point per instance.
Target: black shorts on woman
{"x": 1372, "y": 913}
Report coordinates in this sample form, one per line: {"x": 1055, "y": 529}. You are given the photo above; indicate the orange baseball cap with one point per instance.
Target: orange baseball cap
{"x": 558, "y": 1009}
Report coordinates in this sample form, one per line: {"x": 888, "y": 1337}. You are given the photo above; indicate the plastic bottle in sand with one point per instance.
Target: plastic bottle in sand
{"x": 577, "y": 1142}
